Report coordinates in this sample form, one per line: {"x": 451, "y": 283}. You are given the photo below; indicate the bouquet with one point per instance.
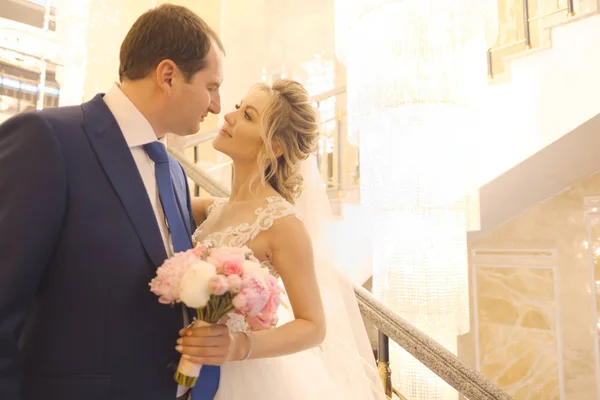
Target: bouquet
{"x": 217, "y": 281}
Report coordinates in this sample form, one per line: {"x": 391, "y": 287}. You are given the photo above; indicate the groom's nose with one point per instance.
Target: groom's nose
{"x": 215, "y": 103}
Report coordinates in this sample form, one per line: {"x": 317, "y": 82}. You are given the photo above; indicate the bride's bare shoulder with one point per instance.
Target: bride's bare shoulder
{"x": 289, "y": 228}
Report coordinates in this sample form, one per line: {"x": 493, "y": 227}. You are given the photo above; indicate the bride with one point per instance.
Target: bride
{"x": 279, "y": 208}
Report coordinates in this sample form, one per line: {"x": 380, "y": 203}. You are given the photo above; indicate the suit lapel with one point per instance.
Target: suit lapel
{"x": 115, "y": 156}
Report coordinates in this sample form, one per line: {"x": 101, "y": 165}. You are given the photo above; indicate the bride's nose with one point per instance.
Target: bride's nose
{"x": 229, "y": 118}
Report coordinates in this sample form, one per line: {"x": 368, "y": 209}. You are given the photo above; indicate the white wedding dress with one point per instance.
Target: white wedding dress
{"x": 331, "y": 371}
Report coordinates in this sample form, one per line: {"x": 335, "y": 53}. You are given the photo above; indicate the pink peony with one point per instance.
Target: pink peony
{"x": 253, "y": 296}
{"x": 166, "y": 283}
{"x": 233, "y": 268}
{"x": 222, "y": 256}
{"x": 218, "y": 285}
{"x": 268, "y": 315}
{"x": 235, "y": 283}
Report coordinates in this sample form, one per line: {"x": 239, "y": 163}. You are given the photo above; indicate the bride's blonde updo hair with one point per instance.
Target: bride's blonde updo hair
{"x": 290, "y": 125}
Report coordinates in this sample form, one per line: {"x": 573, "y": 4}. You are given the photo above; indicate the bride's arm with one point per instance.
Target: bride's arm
{"x": 200, "y": 208}
{"x": 291, "y": 254}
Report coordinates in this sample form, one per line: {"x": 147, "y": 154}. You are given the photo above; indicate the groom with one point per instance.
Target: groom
{"x": 90, "y": 206}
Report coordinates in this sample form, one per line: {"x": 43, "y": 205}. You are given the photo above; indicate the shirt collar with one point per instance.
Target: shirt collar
{"x": 135, "y": 127}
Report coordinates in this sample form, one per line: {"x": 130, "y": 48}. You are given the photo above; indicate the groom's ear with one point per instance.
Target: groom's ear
{"x": 166, "y": 72}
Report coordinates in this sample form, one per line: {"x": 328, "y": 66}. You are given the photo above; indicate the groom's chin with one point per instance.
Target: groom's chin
{"x": 188, "y": 131}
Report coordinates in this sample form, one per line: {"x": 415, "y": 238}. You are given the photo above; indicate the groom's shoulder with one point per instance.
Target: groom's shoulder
{"x": 50, "y": 127}
{"x": 61, "y": 116}
{"x": 48, "y": 117}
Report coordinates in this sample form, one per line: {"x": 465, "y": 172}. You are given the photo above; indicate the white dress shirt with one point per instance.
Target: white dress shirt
{"x": 138, "y": 132}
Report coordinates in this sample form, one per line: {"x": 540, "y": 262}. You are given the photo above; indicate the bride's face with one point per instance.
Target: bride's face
{"x": 239, "y": 138}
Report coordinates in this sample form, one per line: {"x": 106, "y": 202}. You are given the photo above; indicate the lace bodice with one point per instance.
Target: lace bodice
{"x": 243, "y": 234}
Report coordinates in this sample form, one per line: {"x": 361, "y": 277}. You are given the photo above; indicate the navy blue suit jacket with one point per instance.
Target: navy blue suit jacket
{"x": 79, "y": 244}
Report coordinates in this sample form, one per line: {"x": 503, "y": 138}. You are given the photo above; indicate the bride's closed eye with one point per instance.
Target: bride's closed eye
{"x": 246, "y": 115}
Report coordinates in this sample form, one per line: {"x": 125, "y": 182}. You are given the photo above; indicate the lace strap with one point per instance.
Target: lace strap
{"x": 276, "y": 208}
{"x": 215, "y": 205}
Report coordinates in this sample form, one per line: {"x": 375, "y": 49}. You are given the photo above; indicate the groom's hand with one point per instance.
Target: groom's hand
{"x": 207, "y": 345}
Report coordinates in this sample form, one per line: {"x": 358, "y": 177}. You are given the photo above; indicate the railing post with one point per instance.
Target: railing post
{"x": 196, "y": 186}
{"x": 526, "y": 23}
{"x": 489, "y": 64}
{"x": 571, "y": 7}
{"x": 383, "y": 363}
{"x": 339, "y": 158}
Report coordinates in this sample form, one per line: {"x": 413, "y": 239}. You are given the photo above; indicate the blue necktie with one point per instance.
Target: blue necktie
{"x": 208, "y": 381}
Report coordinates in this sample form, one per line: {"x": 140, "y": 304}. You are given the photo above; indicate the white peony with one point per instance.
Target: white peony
{"x": 250, "y": 266}
{"x": 193, "y": 288}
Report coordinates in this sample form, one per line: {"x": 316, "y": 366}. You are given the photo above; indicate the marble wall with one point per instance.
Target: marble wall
{"x": 534, "y": 298}
{"x": 516, "y": 316}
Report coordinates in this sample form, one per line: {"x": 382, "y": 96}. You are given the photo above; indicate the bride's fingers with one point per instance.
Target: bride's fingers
{"x": 216, "y": 352}
{"x": 183, "y": 331}
{"x": 211, "y": 330}
{"x": 215, "y": 341}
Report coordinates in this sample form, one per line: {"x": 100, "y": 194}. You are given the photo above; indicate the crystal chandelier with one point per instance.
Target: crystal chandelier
{"x": 409, "y": 95}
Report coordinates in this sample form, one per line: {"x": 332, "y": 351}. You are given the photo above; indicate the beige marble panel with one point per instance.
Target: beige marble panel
{"x": 558, "y": 223}
{"x": 522, "y": 297}
{"x": 517, "y": 334}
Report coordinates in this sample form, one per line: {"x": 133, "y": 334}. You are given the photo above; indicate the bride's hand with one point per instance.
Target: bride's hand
{"x": 206, "y": 345}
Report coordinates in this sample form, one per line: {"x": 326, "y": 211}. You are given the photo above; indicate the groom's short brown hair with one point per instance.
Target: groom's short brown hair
{"x": 167, "y": 32}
